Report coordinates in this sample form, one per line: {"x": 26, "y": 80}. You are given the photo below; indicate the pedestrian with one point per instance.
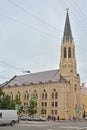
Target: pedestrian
{"x": 48, "y": 118}
{"x": 58, "y": 118}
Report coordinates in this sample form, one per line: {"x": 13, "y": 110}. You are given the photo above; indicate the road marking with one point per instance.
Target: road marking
{"x": 83, "y": 128}
{"x": 69, "y": 127}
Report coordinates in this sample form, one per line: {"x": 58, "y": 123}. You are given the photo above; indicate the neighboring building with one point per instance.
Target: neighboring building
{"x": 83, "y": 98}
{"x": 56, "y": 91}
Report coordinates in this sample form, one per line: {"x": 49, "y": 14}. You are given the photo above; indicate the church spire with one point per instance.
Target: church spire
{"x": 67, "y": 36}
{"x": 67, "y": 59}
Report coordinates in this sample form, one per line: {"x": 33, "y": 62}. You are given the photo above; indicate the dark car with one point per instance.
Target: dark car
{"x": 25, "y": 118}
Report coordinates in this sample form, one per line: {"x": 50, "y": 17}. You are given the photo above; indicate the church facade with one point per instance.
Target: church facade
{"x": 56, "y": 91}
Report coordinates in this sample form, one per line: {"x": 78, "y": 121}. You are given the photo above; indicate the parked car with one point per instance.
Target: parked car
{"x": 25, "y": 118}
{"x": 85, "y": 117}
{"x": 39, "y": 118}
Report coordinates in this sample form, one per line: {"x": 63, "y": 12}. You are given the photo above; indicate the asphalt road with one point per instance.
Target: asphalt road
{"x": 47, "y": 126}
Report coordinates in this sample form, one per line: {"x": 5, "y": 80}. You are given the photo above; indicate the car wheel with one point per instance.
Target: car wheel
{"x": 12, "y": 123}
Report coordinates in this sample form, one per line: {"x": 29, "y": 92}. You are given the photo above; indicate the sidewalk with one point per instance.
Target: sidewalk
{"x": 50, "y": 121}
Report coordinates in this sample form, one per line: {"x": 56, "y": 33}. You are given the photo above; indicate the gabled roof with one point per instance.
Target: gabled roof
{"x": 35, "y": 78}
{"x": 67, "y": 36}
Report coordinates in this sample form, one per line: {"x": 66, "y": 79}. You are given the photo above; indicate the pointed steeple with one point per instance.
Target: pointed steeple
{"x": 68, "y": 60}
{"x": 67, "y": 36}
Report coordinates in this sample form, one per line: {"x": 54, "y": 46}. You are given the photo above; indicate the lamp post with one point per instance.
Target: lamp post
{"x": 26, "y": 71}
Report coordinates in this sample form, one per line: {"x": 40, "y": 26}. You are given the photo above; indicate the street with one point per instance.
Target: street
{"x": 47, "y": 126}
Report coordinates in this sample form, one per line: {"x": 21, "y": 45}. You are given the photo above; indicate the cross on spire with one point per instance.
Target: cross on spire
{"x": 67, "y": 9}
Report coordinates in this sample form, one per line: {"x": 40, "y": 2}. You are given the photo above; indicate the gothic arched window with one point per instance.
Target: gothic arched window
{"x": 69, "y": 52}
{"x": 56, "y": 95}
{"x": 44, "y": 94}
{"x": 64, "y": 52}
{"x": 35, "y": 94}
{"x": 11, "y": 96}
{"x": 53, "y": 95}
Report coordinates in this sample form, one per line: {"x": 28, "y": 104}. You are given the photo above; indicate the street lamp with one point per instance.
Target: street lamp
{"x": 26, "y": 71}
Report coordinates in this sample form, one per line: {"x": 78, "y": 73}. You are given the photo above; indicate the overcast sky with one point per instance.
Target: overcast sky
{"x": 31, "y": 32}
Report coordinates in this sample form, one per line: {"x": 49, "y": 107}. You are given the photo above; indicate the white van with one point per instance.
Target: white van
{"x": 8, "y": 117}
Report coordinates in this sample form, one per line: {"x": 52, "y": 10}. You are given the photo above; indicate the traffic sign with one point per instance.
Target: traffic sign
{"x": 34, "y": 97}
{"x": 24, "y": 107}
{"x": 16, "y": 106}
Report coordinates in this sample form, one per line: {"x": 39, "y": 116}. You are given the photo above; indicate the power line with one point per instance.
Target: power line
{"x": 63, "y": 6}
{"x": 27, "y": 11}
{"x": 36, "y": 16}
{"x": 76, "y": 7}
{"x": 26, "y": 25}
{"x": 12, "y": 66}
{"x": 15, "y": 67}
{"x": 75, "y": 19}
{"x": 79, "y": 17}
{"x": 30, "y": 13}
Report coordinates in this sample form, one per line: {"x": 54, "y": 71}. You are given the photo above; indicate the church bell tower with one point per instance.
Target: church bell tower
{"x": 67, "y": 59}
{"x": 68, "y": 68}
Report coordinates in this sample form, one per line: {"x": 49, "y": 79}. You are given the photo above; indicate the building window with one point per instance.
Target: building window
{"x": 44, "y": 94}
{"x": 19, "y": 95}
{"x": 11, "y": 96}
{"x": 43, "y": 111}
{"x": 55, "y": 112}
{"x": 56, "y": 95}
{"x": 35, "y": 95}
{"x": 25, "y": 97}
{"x": 25, "y": 103}
{"x": 52, "y": 104}
{"x": 69, "y": 52}
{"x": 52, "y": 112}
{"x": 53, "y": 95}
{"x": 42, "y": 104}
{"x": 45, "y": 104}
{"x": 56, "y": 104}
{"x": 64, "y": 52}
